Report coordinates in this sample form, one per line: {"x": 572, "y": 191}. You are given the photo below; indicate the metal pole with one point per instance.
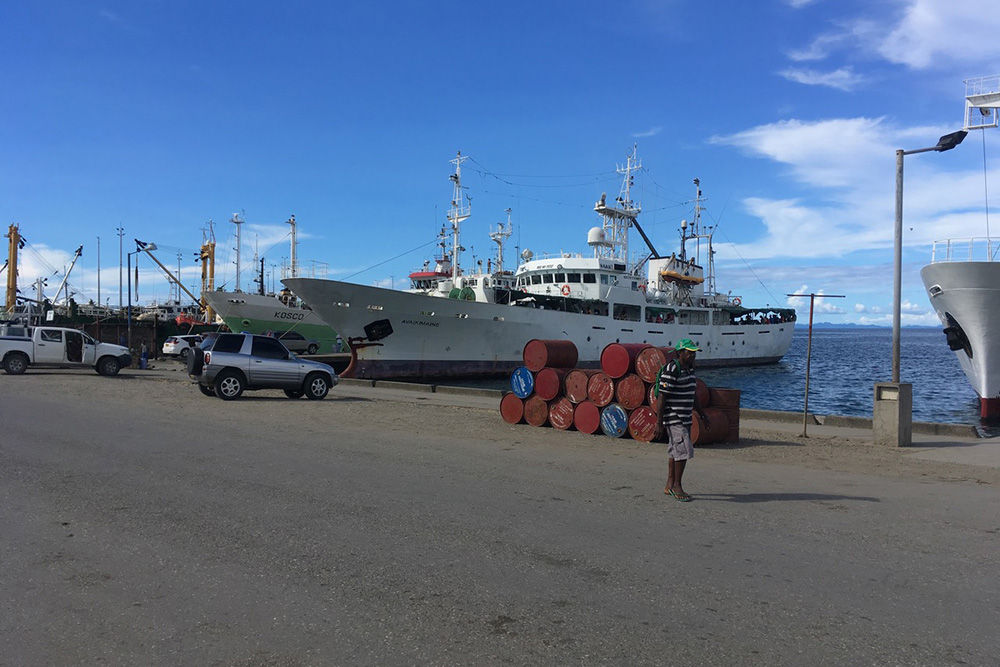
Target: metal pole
{"x": 897, "y": 267}
{"x": 129, "y": 315}
{"x": 121, "y": 233}
{"x": 809, "y": 347}
{"x": 98, "y": 311}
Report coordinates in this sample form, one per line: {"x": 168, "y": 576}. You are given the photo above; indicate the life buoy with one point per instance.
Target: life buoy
{"x": 642, "y": 287}
{"x": 565, "y": 290}
{"x": 737, "y": 301}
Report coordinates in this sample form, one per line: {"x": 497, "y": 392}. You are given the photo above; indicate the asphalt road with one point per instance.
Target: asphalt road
{"x": 145, "y": 524}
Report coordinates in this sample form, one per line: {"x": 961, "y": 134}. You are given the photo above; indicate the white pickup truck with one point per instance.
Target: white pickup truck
{"x": 56, "y": 347}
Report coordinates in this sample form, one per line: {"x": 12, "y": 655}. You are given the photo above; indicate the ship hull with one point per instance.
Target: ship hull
{"x": 401, "y": 334}
{"x": 257, "y": 313}
{"x": 966, "y": 298}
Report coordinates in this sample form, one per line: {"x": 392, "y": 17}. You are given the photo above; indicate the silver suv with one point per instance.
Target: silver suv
{"x": 233, "y": 363}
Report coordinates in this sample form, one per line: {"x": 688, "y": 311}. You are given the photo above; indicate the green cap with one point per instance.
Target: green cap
{"x": 687, "y": 344}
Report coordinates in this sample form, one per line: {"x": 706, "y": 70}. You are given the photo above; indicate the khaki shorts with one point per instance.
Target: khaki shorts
{"x": 679, "y": 445}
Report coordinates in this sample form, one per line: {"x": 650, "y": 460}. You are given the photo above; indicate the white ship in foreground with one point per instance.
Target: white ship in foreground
{"x": 963, "y": 278}
{"x": 592, "y": 301}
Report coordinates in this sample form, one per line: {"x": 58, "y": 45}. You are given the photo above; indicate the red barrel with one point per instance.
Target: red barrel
{"x": 717, "y": 430}
{"x": 630, "y": 391}
{"x": 587, "y": 417}
{"x": 538, "y": 354}
{"x": 650, "y": 360}
{"x": 536, "y": 411}
{"x": 549, "y": 382}
{"x": 642, "y": 424}
{"x": 601, "y": 389}
{"x": 575, "y": 384}
{"x": 651, "y": 394}
{"x": 512, "y": 409}
{"x": 561, "y": 413}
{"x": 701, "y": 393}
{"x": 617, "y": 359}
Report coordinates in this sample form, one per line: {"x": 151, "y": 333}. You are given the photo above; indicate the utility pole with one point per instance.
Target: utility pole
{"x": 121, "y": 233}
{"x": 809, "y": 346}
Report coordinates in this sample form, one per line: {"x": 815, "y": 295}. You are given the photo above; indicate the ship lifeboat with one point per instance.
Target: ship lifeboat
{"x": 675, "y": 277}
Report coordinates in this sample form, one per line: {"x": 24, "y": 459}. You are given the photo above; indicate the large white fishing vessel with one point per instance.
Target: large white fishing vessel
{"x": 963, "y": 278}
{"x": 592, "y": 301}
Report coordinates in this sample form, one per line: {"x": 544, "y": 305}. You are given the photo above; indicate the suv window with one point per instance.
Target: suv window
{"x": 268, "y": 348}
{"x": 228, "y": 343}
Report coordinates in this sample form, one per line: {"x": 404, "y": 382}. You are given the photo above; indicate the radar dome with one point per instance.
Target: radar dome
{"x": 595, "y": 237}
{"x": 526, "y": 255}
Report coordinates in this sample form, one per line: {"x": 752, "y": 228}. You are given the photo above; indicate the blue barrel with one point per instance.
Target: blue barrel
{"x": 614, "y": 420}
{"x": 522, "y": 382}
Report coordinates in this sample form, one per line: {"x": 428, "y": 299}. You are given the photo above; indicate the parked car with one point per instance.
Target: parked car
{"x": 180, "y": 346}
{"x": 295, "y": 341}
{"x": 57, "y": 347}
{"x": 233, "y": 363}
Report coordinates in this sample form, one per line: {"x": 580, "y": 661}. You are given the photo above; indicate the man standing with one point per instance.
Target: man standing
{"x": 674, "y": 404}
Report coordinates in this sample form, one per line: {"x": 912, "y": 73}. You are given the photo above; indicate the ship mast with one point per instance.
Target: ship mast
{"x": 459, "y": 211}
{"x": 500, "y": 237}
{"x": 237, "y": 220}
{"x": 617, "y": 221}
{"x": 695, "y": 232}
{"x": 12, "y": 248}
{"x": 294, "y": 260}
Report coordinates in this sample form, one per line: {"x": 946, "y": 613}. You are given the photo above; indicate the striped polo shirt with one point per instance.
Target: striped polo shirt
{"x": 677, "y": 387}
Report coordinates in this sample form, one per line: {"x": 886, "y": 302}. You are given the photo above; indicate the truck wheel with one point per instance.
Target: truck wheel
{"x": 15, "y": 364}
{"x": 316, "y": 386}
{"x": 229, "y": 385}
{"x": 208, "y": 391}
{"x": 108, "y": 366}
{"x": 293, "y": 393}
{"x": 313, "y": 349}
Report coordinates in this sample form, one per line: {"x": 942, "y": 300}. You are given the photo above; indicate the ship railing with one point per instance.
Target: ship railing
{"x": 972, "y": 249}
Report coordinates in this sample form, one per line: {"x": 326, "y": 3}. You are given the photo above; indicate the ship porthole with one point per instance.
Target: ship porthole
{"x": 588, "y": 339}
{"x": 246, "y": 323}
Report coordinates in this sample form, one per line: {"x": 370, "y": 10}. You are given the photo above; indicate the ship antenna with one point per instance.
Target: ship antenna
{"x": 237, "y": 220}
{"x": 618, "y": 220}
{"x": 294, "y": 268}
{"x": 459, "y": 211}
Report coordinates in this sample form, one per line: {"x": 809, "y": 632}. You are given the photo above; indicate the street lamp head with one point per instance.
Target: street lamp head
{"x": 949, "y": 141}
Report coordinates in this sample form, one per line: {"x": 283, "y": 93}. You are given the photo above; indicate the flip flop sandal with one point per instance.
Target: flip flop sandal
{"x": 683, "y": 497}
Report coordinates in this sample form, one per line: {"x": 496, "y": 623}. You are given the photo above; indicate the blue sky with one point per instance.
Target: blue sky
{"x": 159, "y": 116}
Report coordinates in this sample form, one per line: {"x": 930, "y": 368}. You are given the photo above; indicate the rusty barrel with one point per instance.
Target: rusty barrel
{"x": 536, "y": 411}
{"x": 716, "y": 431}
{"x": 702, "y": 394}
{"x": 651, "y": 394}
{"x": 561, "y": 413}
{"x": 600, "y": 389}
{"x": 538, "y": 354}
{"x": 512, "y": 408}
{"x": 522, "y": 382}
{"x": 618, "y": 359}
{"x": 650, "y": 360}
{"x": 614, "y": 420}
{"x": 549, "y": 382}
{"x": 642, "y": 424}
{"x": 587, "y": 417}
{"x": 630, "y": 391}
{"x": 575, "y": 384}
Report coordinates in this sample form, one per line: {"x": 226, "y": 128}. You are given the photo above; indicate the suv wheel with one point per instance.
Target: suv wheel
{"x": 316, "y": 386}
{"x": 229, "y": 385}
{"x": 184, "y": 354}
{"x": 108, "y": 366}
{"x": 313, "y": 349}
{"x": 208, "y": 391}
{"x": 293, "y": 393}
{"x": 15, "y": 363}
{"x": 195, "y": 361}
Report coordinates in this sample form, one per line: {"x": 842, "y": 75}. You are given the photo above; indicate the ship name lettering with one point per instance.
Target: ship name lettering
{"x": 426, "y": 324}
{"x": 284, "y": 315}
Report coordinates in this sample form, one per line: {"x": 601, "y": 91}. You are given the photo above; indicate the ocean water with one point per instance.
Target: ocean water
{"x": 846, "y": 364}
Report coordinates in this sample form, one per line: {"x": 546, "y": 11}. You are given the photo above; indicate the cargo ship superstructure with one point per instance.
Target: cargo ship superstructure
{"x": 590, "y": 300}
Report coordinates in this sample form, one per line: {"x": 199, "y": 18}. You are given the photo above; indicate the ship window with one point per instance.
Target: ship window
{"x": 560, "y": 277}
{"x": 536, "y": 279}
{"x": 572, "y": 277}
{"x": 627, "y": 312}
{"x": 604, "y": 279}
{"x": 548, "y": 278}
{"x": 590, "y": 278}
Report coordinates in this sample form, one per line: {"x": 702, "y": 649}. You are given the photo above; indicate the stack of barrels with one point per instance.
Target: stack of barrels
{"x": 616, "y": 400}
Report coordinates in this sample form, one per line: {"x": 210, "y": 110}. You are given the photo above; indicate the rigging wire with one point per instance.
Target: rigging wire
{"x": 747, "y": 264}
{"x": 986, "y": 196}
{"x": 402, "y": 254}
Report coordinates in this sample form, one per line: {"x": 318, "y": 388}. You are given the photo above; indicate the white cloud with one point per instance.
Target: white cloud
{"x": 820, "y": 304}
{"x": 862, "y": 308}
{"x": 652, "y": 132}
{"x": 842, "y": 79}
{"x": 932, "y": 31}
{"x": 820, "y": 48}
